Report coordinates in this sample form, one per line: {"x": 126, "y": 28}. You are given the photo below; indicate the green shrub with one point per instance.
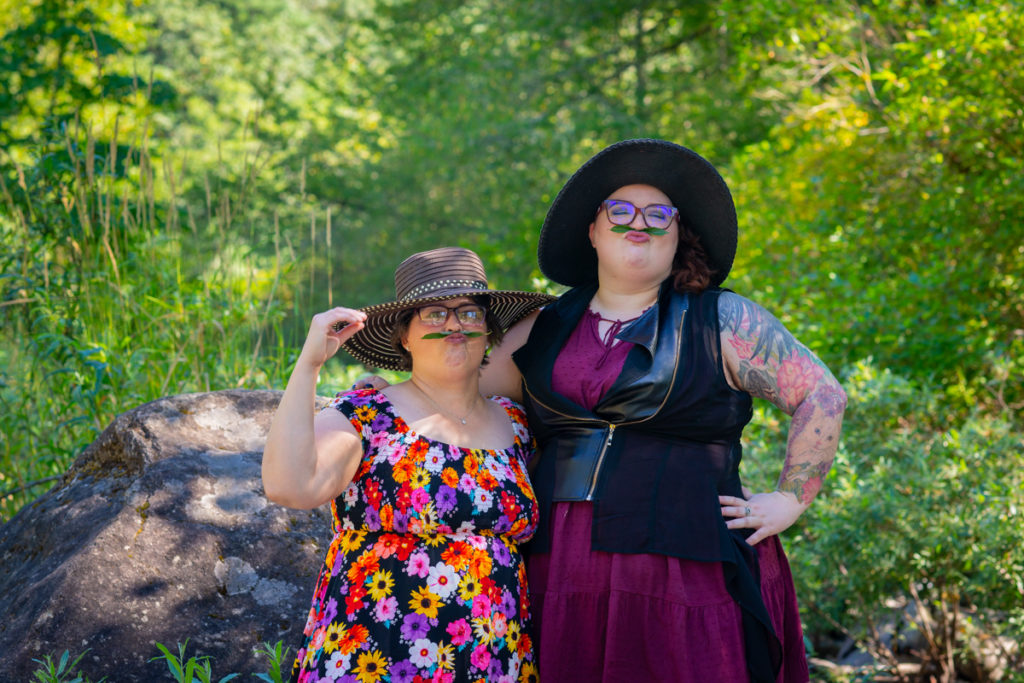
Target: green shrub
{"x": 917, "y": 528}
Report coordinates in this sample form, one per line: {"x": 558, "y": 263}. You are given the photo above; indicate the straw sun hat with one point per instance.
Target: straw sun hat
{"x": 692, "y": 184}
{"x": 426, "y": 278}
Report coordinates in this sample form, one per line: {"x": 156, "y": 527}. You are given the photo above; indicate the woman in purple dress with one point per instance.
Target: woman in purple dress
{"x": 652, "y": 562}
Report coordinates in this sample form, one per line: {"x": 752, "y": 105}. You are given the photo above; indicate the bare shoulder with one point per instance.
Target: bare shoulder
{"x": 501, "y": 377}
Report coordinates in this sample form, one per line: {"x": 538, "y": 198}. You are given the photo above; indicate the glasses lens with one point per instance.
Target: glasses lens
{"x": 619, "y": 212}
{"x": 471, "y": 315}
{"x": 433, "y": 315}
{"x": 658, "y": 215}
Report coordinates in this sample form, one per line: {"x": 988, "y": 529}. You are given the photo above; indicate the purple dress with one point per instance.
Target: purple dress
{"x": 619, "y": 617}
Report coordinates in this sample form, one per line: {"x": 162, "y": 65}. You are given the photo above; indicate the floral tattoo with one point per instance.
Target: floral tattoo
{"x": 774, "y": 366}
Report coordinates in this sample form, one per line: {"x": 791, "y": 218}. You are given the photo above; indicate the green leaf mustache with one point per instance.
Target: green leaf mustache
{"x": 649, "y": 231}
{"x": 442, "y": 335}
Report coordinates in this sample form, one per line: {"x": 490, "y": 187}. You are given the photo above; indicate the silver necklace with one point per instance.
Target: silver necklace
{"x": 439, "y": 408}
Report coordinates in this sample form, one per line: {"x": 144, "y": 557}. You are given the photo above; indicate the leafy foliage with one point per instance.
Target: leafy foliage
{"x": 183, "y": 183}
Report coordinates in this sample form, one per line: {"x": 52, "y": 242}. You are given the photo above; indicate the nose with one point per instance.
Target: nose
{"x": 638, "y": 217}
{"x": 452, "y": 319}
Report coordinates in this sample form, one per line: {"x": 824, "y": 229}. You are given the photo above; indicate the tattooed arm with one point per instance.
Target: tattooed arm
{"x": 762, "y": 358}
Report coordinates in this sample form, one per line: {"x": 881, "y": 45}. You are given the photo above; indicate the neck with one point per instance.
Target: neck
{"x": 453, "y": 399}
{"x": 620, "y": 303}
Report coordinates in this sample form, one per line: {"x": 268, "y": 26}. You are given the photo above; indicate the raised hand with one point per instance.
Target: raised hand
{"x": 327, "y": 332}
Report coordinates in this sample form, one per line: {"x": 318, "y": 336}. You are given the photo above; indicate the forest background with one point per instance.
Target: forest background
{"x": 185, "y": 182}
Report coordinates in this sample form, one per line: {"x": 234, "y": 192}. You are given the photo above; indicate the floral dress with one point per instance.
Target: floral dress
{"x": 423, "y": 580}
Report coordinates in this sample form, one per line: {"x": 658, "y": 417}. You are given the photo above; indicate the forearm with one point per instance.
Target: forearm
{"x": 289, "y": 458}
{"x": 813, "y": 440}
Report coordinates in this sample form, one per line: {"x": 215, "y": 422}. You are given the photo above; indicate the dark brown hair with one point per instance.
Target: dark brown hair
{"x": 494, "y": 332}
{"x": 690, "y": 269}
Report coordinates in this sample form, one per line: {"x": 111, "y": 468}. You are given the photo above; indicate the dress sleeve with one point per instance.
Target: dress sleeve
{"x": 365, "y": 412}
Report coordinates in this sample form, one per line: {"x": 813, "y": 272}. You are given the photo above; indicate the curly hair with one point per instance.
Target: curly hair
{"x": 494, "y": 332}
{"x": 690, "y": 269}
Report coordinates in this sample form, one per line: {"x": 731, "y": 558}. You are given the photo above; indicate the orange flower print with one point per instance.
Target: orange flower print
{"x": 450, "y": 477}
{"x": 457, "y": 555}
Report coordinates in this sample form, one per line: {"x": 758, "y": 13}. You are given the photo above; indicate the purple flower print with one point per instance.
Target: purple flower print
{"x": 508, "y": 604}
{"x": 501, "y": 526}
{"x": 372, "y": 519}
{"x": 414, "y": 627}
{"x": 500, "y": 551}
{"x": 400, "y": 522}
{"x": 403, "y": 672}
{"x": 494, "y": 670}
{"x": 381, "y": 422}
{"x": 330, "y": 612}
{"x": 445, "y": 499}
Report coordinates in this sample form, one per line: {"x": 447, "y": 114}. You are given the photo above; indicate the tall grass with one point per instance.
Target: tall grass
{"x": 116, "y": 290}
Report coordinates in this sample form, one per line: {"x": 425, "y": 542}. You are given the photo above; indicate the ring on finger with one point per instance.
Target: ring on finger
{"x": 746, "y": 511}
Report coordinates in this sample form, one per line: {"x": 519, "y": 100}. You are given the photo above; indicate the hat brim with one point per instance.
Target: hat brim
{"x": 372, "y": 347}
{"x": 705, "y": 205}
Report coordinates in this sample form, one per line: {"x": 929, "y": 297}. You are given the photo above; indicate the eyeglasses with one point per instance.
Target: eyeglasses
{"x": 621, "y": 212}
{"x": 468, "y": 315}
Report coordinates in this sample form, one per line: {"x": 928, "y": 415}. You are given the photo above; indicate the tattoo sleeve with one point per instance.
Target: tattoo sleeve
{"x": 771, "y": 364}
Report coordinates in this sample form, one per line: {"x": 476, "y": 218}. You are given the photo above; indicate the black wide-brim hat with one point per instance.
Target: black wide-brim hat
{"x": 428, "y": 277}
{"x": 705, "y": 205}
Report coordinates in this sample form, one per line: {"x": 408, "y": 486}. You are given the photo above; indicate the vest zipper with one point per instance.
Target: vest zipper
{"x": 611, "y": 426}
{"x": 600, "y": 460}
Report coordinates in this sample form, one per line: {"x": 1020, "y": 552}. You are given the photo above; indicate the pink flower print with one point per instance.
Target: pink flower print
{"x": 386, "y": 609}
{"x": 481, "y": 606}
{"x": 420, "y": 498}
{"x": 499, "y": 624}
{"x": 418, "y": 565}
{"x": 460, "y": 632}
{"x": 378, "y": 442}
{"x": 319, "y": 636}
{"x": 797, "y": 376}
{"x": 467, "y": 483}
{"x": 481, "y": 657}
{"x": 441, "y": 677}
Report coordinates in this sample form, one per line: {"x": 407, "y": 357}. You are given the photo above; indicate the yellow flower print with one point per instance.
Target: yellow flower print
{"x": 351, "y": 540}
{"x": 332, "y": 640}
{"x": 380, "y": 584}
{"x": 512, "y": 636}
{"x": 446, "y": 656}
{"x": 365, "y": 414}
{"x": 372, "y": 666}
{"x": 528, "y": 674}
{"x": 420, "y": 478}
{"x": 425, "y": 602}
{"x": 469, "y": 587}
{"x": 483, "y": 630}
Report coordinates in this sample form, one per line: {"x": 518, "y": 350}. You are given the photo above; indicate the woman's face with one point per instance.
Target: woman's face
{"x": 452, "y": 351}
{"x": 634, "y": 257}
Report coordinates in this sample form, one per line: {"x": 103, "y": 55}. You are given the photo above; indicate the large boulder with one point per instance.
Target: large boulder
{"x": 160, "y": 532}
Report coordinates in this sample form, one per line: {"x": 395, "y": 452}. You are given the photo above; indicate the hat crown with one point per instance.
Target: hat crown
{"x": 438, "y": 272}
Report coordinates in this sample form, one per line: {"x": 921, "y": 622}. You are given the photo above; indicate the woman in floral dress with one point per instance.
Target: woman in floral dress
{"x": 427, "y": 484}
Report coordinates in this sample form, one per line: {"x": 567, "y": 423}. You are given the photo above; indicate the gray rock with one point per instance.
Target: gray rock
{"x": 160, "y": 532}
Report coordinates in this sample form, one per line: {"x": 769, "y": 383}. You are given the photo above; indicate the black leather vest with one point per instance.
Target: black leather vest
{"x": 657, "y": 449}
